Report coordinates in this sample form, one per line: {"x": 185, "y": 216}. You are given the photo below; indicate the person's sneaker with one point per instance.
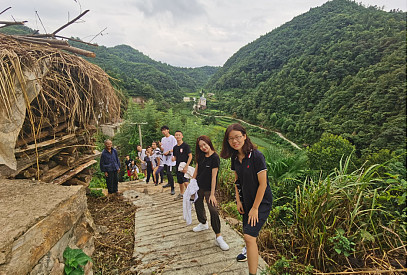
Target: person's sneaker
{"x": 242, "y": 257}
{"x": 172, "y": 192}
{"x": 221, "y": 243}
{"x": 167, "y": 185}
{"x": 156, "y": 184}
{"x": 200, "y": 227}
{"x": 179, "y": 196}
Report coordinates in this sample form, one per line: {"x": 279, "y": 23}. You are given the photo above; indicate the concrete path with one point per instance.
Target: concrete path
{"x": 166, "y": 245}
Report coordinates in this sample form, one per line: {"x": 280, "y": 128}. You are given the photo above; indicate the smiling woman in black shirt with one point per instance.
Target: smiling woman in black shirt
{"x": 206, "y": 174}
{"x": 252, "y": 190}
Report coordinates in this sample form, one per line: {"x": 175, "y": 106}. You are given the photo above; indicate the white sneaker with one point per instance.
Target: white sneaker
{"x": 221, "y": 243}
{"x": 200, "y": 227}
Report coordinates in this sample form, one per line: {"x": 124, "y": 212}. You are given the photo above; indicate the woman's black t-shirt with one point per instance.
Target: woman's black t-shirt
{"x": 204, "y": 173}
{"x": 247, "y": 172}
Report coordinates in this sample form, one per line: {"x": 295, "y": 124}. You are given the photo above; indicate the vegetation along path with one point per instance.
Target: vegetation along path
{"x": 164, "y": 244}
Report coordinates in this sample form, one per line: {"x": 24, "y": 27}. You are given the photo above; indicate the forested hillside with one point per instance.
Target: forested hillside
{"x": 339, "y": 68}
{"x": 128, "y": 62}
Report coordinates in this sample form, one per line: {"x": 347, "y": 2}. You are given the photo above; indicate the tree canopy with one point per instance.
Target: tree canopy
{"x": 339, "y": 68}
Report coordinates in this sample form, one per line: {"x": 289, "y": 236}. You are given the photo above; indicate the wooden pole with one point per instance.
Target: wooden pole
{"x": 140, "y": 136}
{"x": 140, "y": 130}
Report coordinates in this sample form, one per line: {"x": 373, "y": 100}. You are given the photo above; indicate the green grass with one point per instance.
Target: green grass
{"x": 261, "y": 138}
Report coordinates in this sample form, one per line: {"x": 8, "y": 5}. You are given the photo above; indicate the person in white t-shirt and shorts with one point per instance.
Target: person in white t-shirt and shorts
{"x": 167, "y": 144}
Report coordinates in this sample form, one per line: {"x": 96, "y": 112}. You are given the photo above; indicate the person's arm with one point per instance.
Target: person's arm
{"x": 190, "y": 158}
{"x": 195, "y": 172}
{"x": 240, "y": 208}
{"x": 173, "y": 143}
{"x": 253, "y": 213}
{"x": 102, "y": 164}
{"x": 174, "y": 157}
{"x": 212, "y": 198}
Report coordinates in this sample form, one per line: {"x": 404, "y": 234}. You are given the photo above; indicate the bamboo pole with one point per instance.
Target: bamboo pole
{"x": 70, "y": 22}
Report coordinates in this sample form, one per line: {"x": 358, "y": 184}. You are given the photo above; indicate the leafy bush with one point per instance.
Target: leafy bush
{"x": 326, "y": 154}
{"x": 98, "y": 178}
{"x": 284, "y": 266}
{"x": 97, "y": 182}
{"x": 226, "y": 179}
{"x": 231, "y": 209}
{"x": 341, "y": 244}
{"x": 75, "y": 260}
{"x": 96, "y": 193}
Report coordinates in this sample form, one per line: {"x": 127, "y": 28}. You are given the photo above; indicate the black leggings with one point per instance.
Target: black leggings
{"x": 169, "y": 175}
{"x": 149, "y": 172}
{"x": 200, "y": 211}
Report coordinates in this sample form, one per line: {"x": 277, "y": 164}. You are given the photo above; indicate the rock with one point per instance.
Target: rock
{"x": 38, "y": 222}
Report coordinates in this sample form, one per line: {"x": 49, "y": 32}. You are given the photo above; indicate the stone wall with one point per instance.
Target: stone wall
{"x": 37, "y": 222}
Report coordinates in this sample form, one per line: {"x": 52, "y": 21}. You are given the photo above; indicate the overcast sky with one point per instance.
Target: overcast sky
{"x": 186, "y": 33}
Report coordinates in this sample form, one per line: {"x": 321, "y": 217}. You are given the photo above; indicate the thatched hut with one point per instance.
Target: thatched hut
{"x": 51, "y": 102}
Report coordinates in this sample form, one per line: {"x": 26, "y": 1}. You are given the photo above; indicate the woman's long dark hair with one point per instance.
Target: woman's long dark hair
{"x": 227, "y": 151}
{"x": 200, "y": 154}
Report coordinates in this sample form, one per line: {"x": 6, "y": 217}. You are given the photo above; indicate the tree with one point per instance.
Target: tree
{"x": 327, "y": 154}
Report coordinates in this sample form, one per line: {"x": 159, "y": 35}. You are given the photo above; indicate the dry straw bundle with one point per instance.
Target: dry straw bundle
{"x": 45, "y": 91}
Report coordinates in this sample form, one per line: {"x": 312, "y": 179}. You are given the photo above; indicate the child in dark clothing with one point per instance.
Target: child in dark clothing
{"x": 148, "y": 162}
{"x": 135, "y": 171}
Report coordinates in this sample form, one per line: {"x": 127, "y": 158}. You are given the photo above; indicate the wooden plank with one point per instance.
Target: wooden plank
{"x": 73, "y": 172}
{"x": 60, "y": 170}
{"x": 44, "y": 144}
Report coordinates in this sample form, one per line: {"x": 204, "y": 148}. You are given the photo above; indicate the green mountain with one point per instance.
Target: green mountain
{"x": 143, "y": 76}
{"x": 339, "y": 68}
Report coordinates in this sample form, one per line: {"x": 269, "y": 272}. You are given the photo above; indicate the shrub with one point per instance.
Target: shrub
{"x": 75, "y": 260}
{"x": 326, "y": 154}
{"x": 96, "y": 193}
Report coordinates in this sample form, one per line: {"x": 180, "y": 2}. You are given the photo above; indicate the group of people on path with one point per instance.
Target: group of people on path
{"x": 252, "y": 191}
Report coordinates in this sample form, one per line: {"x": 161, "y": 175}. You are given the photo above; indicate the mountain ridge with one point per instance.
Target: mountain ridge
{"x": 340, "y": 52}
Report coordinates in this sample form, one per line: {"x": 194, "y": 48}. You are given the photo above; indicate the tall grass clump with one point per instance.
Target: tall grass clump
{"x": 341, "y": 220}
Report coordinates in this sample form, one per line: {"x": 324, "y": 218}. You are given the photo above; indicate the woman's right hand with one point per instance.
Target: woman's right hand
{"x": 240, "y": 208}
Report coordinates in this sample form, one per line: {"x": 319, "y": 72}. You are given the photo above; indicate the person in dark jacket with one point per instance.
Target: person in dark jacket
{"x": 110, "y": 165}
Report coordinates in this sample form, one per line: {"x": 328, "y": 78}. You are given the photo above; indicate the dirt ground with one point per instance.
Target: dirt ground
{"x": 114, "y": 241}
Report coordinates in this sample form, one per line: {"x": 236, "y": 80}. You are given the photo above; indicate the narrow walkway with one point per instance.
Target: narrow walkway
{"x": 166, "y": 245}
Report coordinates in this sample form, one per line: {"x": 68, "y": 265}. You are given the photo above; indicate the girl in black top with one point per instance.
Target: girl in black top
{"x": 148, "y": 161}
{"x": 252, "y": 190}
{"x": 206, "y": 173}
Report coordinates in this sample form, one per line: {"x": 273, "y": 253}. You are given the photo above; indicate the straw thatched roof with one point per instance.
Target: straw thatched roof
{"x": 42, "y": 87}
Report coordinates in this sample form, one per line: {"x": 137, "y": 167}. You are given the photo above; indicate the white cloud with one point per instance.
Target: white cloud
{"x": 186, "y": 33}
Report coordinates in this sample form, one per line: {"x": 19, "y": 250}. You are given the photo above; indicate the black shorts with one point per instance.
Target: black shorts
{"x": 253, "y": 231}
{"x": 180, "y": 177}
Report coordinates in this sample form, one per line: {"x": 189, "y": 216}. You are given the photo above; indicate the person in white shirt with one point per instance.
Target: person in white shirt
{"x": 167, "y": 144}
{"x": 157, "y": 159}
{"x": 141, "y": 153}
